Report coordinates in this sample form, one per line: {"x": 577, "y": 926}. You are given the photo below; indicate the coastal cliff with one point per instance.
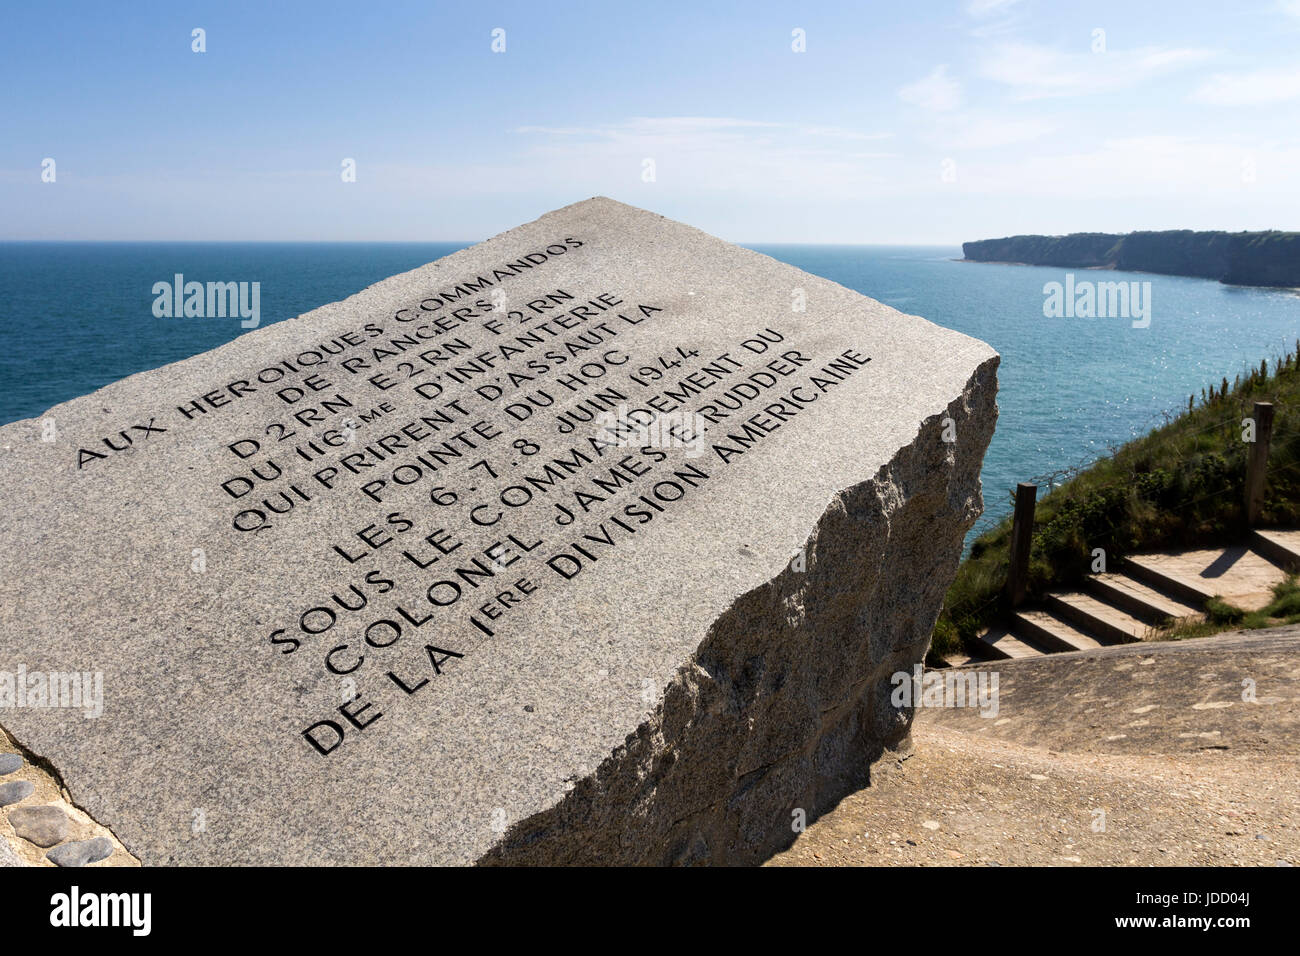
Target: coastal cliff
{"x": 1240, "y": 258}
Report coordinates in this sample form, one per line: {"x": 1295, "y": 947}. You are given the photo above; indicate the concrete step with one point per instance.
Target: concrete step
{"x": 1140, "y": 600}
{"x": 1280, "y": 545}
{"x": 1105, "y": 622}
{"x": 1052, "y": 631}
{"x": 1236, "y": 573}
{"x": 1001, "y": 644}
{"x": 1153, "y": 573}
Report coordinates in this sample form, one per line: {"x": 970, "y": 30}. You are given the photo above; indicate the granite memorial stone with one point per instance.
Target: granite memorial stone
{"x": 597, "y": 542}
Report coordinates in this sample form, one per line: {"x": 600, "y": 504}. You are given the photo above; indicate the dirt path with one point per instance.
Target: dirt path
{"x": 1137, "y": 755}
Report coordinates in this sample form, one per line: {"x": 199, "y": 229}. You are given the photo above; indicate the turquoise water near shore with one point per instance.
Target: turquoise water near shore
{"x": 75, "y": 316}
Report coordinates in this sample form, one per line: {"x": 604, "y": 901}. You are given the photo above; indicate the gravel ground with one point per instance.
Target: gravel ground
{"x": 1151, "y": 754}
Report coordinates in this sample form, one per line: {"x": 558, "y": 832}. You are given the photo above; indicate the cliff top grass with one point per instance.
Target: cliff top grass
{"x": 1181, "y": 486}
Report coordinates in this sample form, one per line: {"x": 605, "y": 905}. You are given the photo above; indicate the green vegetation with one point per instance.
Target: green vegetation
{"x": 1181, "y": 486}
{"x": 1283, "y": 609}
{"x": 1220, "y": 612}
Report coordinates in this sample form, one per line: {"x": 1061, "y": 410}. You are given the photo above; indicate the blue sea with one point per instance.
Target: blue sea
{"x": 75, "y": 316}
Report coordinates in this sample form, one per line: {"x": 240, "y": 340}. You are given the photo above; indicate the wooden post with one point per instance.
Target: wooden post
{"x": 1257, "y": 462}
{"x": 1022, "y": 533}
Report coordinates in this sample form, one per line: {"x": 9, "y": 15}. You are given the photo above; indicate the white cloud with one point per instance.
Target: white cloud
{"x": 989, "y": 8}
{"x": 1038, "y": 72}
{"x": 1142, "y": 168}
{"x": 667, "y": 129}
{"x": 1249, "y": 89}
{"x": 669, "y": 126}
{"x": 994, "y": 17}
{"x": 936, "y": 92}
{"x": 838, "y": 132}
{"x": 714, "y": 155}
{"x": 982, "y": 131}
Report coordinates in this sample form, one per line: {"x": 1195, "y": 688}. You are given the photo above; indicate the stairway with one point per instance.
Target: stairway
{"x": 1150, "y": 591}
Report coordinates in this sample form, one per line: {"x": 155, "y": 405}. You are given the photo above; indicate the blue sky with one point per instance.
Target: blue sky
{"x": 901, "y": 122}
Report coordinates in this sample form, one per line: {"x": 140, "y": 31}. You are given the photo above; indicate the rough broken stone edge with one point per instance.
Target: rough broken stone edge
{"x": 521, "y": 841}
{"x": 46, "y": 767}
